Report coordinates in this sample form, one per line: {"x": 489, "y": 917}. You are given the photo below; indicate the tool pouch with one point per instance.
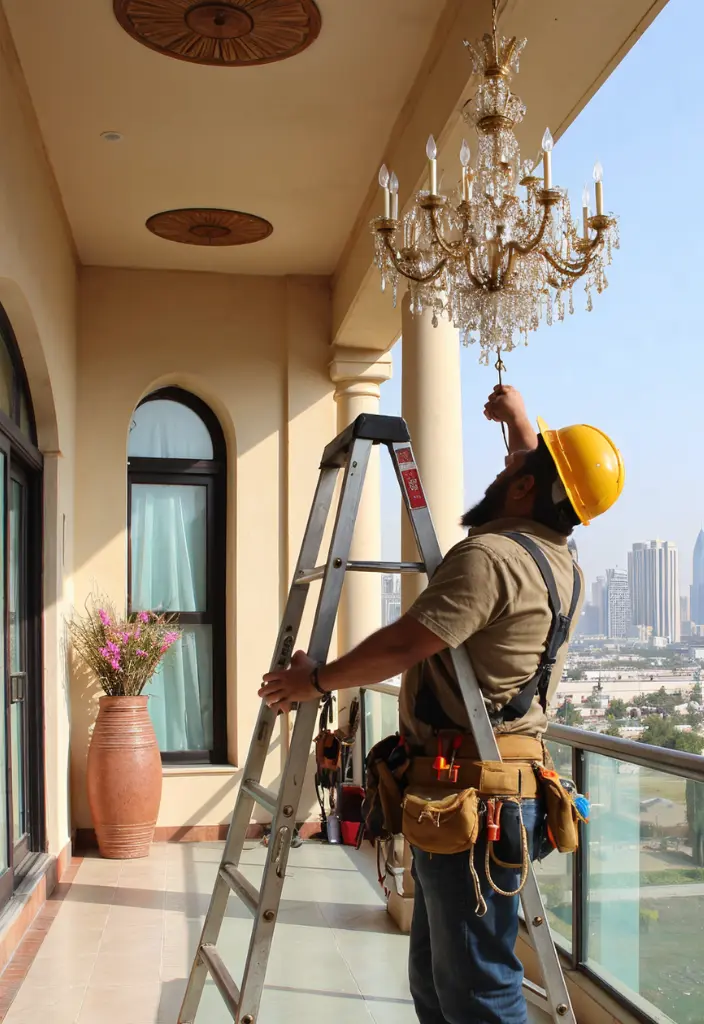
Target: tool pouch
{"x": 328, "y": 751}
{"x": 562, "y": 815}
{"x": 436, "y": 821}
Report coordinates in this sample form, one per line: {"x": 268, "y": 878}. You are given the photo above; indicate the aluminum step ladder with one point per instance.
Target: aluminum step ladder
{"x": 348, "y": 453}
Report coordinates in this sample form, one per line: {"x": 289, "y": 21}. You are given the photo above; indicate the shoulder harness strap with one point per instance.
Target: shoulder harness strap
{"x": 558, "y": 634}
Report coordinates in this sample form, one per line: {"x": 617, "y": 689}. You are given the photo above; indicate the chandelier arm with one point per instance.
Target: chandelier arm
{"x": 574, "y": 270}
{"x": 397, "y": 261}
{"x": 455, "y": 251}
{"x": 476, "y": 281}
{"x": 524, "y": 250}
{"x": 516, "y": 249}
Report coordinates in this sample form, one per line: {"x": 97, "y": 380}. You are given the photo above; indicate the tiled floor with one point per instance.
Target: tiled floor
{"x": 120, "y": 947}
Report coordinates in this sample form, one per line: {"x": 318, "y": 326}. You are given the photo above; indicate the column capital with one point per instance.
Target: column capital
{"x": 359, "y": 371}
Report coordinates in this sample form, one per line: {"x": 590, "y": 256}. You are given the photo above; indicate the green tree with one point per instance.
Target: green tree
{"x": 612, "y": 729}
{"x": 696, "y": 693}
{"x": 663, "y": 732}
{"x": 617, "y": 709}
{"x": 692, "y": 742}
{"x": 567, "y": 714}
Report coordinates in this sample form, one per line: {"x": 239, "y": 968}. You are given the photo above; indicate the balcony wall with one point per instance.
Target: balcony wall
{"x": 256, "y": 351}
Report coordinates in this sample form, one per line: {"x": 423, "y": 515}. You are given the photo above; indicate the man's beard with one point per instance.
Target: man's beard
{"x": 491, "y": 506}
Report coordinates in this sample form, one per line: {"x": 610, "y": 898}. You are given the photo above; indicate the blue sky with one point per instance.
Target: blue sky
{"x": 634, "y": 366}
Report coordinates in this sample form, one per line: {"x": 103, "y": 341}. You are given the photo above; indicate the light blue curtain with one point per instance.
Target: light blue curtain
{"x": 168, "y": 572}
{"x": 181, "y": 693}
{"x": 164, "y": 429}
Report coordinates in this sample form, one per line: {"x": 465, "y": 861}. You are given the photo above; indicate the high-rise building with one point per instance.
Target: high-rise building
{"x": 618, "y": 604}
{"x": 653, "y": 571}
{"x": 390, "y": 598}
{"x": 599, "y": 600}
{"x": 696, "y": 610}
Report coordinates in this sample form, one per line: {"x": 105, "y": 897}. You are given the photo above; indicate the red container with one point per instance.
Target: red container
{"x": 349, "y": 830}
{"x": 350, "y": 811}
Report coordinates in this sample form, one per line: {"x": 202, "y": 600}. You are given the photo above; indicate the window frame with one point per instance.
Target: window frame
{"x": 24, "y": 460}
{"x": 211, "y": 473}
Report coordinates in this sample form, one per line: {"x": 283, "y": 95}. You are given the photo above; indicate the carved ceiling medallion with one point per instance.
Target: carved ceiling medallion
{"x": 236, "y": 33}
{"x": 209, "y": 227}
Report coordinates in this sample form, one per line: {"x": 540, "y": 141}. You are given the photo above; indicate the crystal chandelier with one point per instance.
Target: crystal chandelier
{"x": 492, "y": 260}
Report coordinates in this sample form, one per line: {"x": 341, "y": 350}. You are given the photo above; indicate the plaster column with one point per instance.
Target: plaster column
{"x": 358, "y": 373}
{"x": 432, "y": 407}
{"x": 431, "y": 396}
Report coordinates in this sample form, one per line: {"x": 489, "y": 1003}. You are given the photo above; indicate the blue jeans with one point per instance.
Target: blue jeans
{"x": 463, "y": 969}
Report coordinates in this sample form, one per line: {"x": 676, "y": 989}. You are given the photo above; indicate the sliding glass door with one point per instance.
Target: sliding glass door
{"x": 20, "y": 690}
{"x": 21, "y": 698}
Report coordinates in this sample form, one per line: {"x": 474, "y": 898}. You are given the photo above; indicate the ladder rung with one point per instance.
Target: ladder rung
{"x": 534, "y": 993}
{"x": 310, "y": 575}
{"x": 241, "y": 887}
{"x": 266, "y": 798}
{"x": 222, "y": 978}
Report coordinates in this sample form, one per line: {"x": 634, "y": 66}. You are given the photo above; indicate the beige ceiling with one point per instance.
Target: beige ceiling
{"x": 296, "y": 142}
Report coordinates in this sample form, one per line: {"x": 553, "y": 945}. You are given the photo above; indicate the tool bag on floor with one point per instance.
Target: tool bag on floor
{"x": 385, "y": 780}
{"x": 328, "y": 754}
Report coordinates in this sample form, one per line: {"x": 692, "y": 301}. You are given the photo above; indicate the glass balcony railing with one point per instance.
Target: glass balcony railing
{"x": 628, "y": 908}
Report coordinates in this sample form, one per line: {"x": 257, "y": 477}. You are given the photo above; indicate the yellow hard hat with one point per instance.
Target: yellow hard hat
{"x": 590, "y": 467}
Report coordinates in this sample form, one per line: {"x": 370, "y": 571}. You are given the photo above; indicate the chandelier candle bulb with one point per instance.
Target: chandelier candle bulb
{"x": 585, "y": 211}
{"x": 431, "y": 151}
{"x": 599, "y": 188}
{"x": 384, "y": 182}
{"x": 464, "y": 160}
{"x": 547, "y": 159}
{"x": 393, "y": 189}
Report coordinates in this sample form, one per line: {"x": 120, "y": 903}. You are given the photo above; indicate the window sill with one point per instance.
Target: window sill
{"x": 171, "y": 771}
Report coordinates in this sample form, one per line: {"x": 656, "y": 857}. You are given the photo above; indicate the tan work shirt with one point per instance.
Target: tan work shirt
{"x": 489, "y": 595}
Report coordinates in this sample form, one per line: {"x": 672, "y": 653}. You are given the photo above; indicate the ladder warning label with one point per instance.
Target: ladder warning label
{"x": 410, "y": 478}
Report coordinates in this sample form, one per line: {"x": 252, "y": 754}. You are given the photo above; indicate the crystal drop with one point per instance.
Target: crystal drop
{"x": 571, "y": 302}
{"x": 434, "y": 321}
{"x": 590, "y": 305}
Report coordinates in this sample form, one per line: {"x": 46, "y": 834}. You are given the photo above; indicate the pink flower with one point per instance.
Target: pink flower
{"x": 137, "y": 633}
{"x": 141, "y": 654}
{"x": 171, "y": 638}
{"x": 104, "y": 617}
{"x": 143, "y": 616}
{"x": 126, "y": 638}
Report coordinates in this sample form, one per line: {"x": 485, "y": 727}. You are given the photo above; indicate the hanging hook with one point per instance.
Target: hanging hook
{"x": 500, "y": 368}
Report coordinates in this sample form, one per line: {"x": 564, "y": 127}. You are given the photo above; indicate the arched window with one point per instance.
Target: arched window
{"x": 15, "y": 402}
{"x": 177, "y": 516}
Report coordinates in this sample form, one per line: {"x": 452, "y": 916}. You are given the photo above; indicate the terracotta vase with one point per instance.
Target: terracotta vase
{"x": 124, "y": 778}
